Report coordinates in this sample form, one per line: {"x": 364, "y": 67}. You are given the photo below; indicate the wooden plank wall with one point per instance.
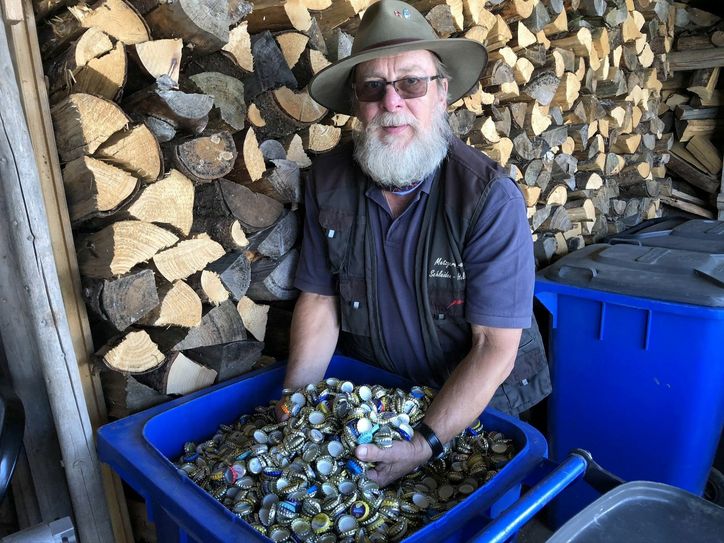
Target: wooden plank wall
{"x": 23, "y": 48}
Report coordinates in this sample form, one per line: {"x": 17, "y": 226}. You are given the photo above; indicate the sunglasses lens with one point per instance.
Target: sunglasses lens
{"x": 374, "y": 90}
{"x": 370, "y": 91}
{"x": 412, "y": 87}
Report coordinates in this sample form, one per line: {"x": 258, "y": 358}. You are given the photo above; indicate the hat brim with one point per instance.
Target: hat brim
{"x": 464, "y": 60}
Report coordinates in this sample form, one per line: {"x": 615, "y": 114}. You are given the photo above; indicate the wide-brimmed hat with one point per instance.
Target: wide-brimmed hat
{"x": 390, "y": 27}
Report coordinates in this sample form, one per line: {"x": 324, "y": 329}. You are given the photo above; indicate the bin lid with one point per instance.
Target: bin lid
{"x": 672, "y": 275}
{"x": 644, "y": 511}
{"x": 700, "y": 235}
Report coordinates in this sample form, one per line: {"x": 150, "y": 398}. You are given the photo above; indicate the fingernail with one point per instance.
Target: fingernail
{"x": 361, "y": 451}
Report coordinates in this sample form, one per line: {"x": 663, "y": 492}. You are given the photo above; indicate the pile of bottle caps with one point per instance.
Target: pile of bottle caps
{"x": 298, "y": 480}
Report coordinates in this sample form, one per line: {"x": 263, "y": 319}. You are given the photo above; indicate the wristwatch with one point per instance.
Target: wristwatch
{"x": 438, "y": 451}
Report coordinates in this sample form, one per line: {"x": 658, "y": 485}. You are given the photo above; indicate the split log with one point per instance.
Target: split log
{"x": 120, "y": 246}
{"x": 93, "y": 187}
{"x": 116, "y": 18}
{"x": 221, "y": 324}
{"x": 205, "y": 158}
{"x": 542, "y": 88}
{"x": 239, "y": 47}
{"x": 557, "y": 221}
{"x": 227, "y": 231}
{"x": 285, "y": 111}
{"x": 530, "y": 194}
{"x": 202, "y": 23}
{"x": 163, "y": 101}
{"x": 82, "y": 122}
{"x": 292, "y": 45}
{"x": 296, "y": 153}
{"x": 581, "y": 210}
{"x": 279, "y": 15}
{"x": 554, "y": 195}
{"x": 250, "y": 164}
{"x": 253, "y": 210}
{"x": 229, "y": 111}
{"x": 239, "y": 10}
{"x": 178, "y": 305}
{"x": 254, "y": 317}
{"x": 230, "y": 359}
{"x": 209, "y": 288}
{"x": 135, "y": 353}
{"x": 158, "y": 57}
{"x": 61, "y": 70}
{"x": 89, "y": 66}
{"x": 135, "y": 150}
{"x": 187, "y": 257}
{"x": 125, "y": 396}
{"x": 309, "y": 64}
{"x": 234, "y": 271}
{"x": 122, "y": 302}
{"x": 168, "y": 202}
{"x": 277, "y": 240}
{"x": 179, "y": 375}
{"x": 272, "y": 280}
{"x": 320, "y": 138}
{"x": 270, "y": 67}
{"x": 543, "y": 250}
{"x": 272, "y": 150}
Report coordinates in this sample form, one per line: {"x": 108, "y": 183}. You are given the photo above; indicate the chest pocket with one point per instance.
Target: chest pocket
{"x": 337, "y": 228}
{"x": 353, "y": 307}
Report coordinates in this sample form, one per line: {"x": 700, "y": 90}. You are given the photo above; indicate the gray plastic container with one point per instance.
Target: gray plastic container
{"x": 662, "y": 273}
{"x": 698, "y": 235}
{"x": 645, "y": 512}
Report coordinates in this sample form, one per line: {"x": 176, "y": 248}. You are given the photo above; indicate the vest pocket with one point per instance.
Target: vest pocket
{"x": 354, "y": 312}
{"x": 531, "y": 357}
{"x": 336, "y": 228}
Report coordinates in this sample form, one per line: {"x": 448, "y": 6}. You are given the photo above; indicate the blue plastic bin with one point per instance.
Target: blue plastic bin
{"x": 637, "y": 363}
{"x": 141, "y": 449}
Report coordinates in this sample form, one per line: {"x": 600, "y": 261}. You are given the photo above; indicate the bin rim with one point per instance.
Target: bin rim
{"x": 207, "y": 519}
{"x": 544, "y": 285}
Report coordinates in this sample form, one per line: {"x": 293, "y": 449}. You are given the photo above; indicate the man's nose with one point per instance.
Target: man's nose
{"x": 392, "y": 100}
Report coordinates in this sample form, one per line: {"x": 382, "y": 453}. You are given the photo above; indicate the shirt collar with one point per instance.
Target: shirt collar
{"x": 375, "y": 193}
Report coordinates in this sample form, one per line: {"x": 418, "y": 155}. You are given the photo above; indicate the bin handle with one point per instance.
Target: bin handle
{"x": 514, "y": 517}
{"x": 625, "y": 241}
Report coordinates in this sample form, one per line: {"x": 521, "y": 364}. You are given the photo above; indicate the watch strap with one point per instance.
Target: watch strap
{"x": 431, "y": 437}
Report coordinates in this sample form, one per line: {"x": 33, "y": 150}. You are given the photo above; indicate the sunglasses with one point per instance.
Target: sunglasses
{"x": 407, "y": 87}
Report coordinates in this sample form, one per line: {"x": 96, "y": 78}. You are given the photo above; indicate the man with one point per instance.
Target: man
{"x": 416, "y": 246}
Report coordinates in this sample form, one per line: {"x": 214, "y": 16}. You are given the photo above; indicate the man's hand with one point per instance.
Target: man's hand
{"x": 396, "y": 461}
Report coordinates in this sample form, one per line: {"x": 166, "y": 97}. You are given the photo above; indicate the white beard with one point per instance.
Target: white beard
{"x": 394, "y": 166}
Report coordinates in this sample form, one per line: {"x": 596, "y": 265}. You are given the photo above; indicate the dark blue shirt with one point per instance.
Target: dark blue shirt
{"x": 498, "y": 265}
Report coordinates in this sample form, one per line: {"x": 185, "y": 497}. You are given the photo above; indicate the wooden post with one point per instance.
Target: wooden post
{"x": 35, "y": 330}
{"x": 33, "y": 92}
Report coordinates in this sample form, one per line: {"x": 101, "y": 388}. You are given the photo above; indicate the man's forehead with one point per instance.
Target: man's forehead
{"x": 408, "y": 60}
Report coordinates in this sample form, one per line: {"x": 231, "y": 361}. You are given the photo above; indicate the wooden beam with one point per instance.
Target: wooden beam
{"x": 23, "y": 46}
{"x": 696, "y": 59}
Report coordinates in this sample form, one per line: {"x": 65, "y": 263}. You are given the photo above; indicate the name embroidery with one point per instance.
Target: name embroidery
{"x": 446, "y": 269}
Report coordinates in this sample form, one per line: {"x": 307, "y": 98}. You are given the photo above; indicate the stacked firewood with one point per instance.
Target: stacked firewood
{"x": 692, "y": 108}
{"x": 182, "y": 128}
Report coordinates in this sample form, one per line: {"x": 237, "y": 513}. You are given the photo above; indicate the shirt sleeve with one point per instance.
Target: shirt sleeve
{"x": 498, "y": 260}
{"x": 313, "y": 273}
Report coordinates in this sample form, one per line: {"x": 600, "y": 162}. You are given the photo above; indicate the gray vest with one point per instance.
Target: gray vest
{"x": 451, "y": 209}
